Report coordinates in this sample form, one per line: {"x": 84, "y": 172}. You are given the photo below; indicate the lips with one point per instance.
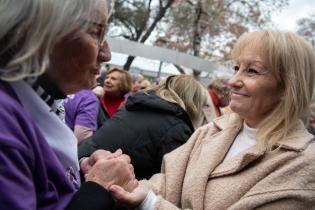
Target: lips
{"x": 234, "y": 93}
{"x": 107, "y": 86}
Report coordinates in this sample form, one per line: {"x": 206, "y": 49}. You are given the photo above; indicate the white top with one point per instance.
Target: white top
{"x": 244, "y": 140}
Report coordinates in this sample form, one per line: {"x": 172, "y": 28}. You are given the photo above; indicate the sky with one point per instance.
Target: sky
{"x": 286, "y": 19}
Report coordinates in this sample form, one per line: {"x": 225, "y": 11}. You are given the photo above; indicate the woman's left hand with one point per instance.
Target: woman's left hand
{"x": 129, "y": 199}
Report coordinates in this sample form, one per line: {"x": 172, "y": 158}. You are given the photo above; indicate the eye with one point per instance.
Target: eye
{"x": 96, "y": 33}
{"x": 252, "y": 71}
{"x": 236, "y": 68}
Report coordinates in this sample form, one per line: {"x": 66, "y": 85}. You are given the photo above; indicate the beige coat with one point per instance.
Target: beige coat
{"x": 194, "y": 177}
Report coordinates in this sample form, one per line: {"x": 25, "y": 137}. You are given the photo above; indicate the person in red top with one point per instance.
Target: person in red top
{"x": 219, "y": 92}
{"x": 116, "y": 85}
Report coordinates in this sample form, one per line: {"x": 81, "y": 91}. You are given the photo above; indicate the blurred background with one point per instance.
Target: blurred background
{"x": 158, "y": 38}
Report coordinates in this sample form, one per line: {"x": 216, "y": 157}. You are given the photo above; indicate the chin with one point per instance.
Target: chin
{"x": 81, "y": 87}
{"x": 88, "y": 84}
{"x": 235, "y": 108}
{"x": 92, "y": 84}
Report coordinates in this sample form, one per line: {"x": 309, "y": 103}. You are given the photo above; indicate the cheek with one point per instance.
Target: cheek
{"x": 117, "y": 85}
{"x": 267, "y": 99}
{"x": 76, "y": 54}
{"x": 270, "y": 99}
{"x": 85, "y": 54}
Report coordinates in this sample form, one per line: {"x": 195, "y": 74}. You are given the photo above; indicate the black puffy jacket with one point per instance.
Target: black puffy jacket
{"x": 146, "y": 128}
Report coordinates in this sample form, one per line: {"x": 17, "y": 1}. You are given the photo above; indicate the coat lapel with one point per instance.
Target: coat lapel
{"x": 246, "y": 157}
{"x": 200, "y": 165}
{"x": 238, "y": 163}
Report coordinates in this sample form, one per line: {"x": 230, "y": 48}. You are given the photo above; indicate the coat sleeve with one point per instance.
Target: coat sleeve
{"x": 91, "y": 196}
{"x": 111, "y": 136}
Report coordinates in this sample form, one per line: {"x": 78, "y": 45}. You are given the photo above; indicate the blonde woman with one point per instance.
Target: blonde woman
{"x": 145, "y": 84}
{"x": 258, "y": 157}
{"x": 152, "y": 123}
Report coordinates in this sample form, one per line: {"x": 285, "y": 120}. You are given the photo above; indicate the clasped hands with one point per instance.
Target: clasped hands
{"x": 115, "y": 173}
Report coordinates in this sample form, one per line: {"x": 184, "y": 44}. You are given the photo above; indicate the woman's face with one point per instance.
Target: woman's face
{"x": 255, "y": 89}
{"x": 112, "y": 84}
{"x": 75, "y": 60}
{"x": 136, "y": 85}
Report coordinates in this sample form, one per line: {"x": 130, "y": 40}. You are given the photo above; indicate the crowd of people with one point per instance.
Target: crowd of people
{"x": 240, "y": 143}
{"x": 152, "y": 123}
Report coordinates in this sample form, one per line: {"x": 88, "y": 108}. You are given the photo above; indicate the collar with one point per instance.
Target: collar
{"x": 49, "y": 93}
{"x": 297, "y": 139}
{"x": 63, "y": 142}
{"x": 228, "y": 120}
{"x": 49, "y": 87}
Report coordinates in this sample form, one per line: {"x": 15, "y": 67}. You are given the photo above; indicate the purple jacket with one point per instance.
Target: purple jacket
{"x": 25, "y": 156}
{"x": 31, "y": 176}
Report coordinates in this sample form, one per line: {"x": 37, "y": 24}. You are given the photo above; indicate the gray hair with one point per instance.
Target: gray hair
{"x": 136, "y": 77}
{"x": 31, "y": 28}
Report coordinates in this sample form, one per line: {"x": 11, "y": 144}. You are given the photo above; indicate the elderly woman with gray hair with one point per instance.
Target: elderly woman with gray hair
{"x": 260, "y": 156}
{"x": 51, "y": 48}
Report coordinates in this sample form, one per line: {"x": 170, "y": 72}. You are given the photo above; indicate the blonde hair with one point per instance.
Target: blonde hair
{"x": 293, "y": 61}
{"x": 145, "y": 84}
{"x": 125, "y": 80}
{"x": 185, "y": 91}
{"x": 31, "y": 28}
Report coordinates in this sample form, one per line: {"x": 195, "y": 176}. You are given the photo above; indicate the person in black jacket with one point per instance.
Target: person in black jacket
{"x": 152, "y": 123}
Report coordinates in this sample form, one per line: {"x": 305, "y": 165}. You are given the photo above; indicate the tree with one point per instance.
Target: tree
{"x": 136, "y": 20}
{"x": 208, "y": 28}
{"x": 306, "y": 28}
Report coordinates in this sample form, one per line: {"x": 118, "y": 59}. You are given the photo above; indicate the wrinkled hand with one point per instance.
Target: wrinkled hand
{"x": 129, "y": 199}
{"x": 86, "y": 163}
{"x": 116, "y": 170}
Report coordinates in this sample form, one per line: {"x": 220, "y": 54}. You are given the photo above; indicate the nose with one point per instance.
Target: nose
{"x": 104, "y": 54}
{"x": 105, "y": 81}
{"x": 236, "y": 80}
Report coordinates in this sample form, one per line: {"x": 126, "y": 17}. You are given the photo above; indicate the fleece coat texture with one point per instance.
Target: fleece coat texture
{"x": 194, "y": 175}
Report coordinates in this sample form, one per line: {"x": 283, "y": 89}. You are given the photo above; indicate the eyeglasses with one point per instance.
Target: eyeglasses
{"x": 98, "y": 31}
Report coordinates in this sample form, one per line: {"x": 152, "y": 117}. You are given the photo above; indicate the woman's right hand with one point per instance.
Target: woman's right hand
{"x": 86, "y": 163}
{"x": 129, "y": 199}
{"x": 113, "y": 169}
